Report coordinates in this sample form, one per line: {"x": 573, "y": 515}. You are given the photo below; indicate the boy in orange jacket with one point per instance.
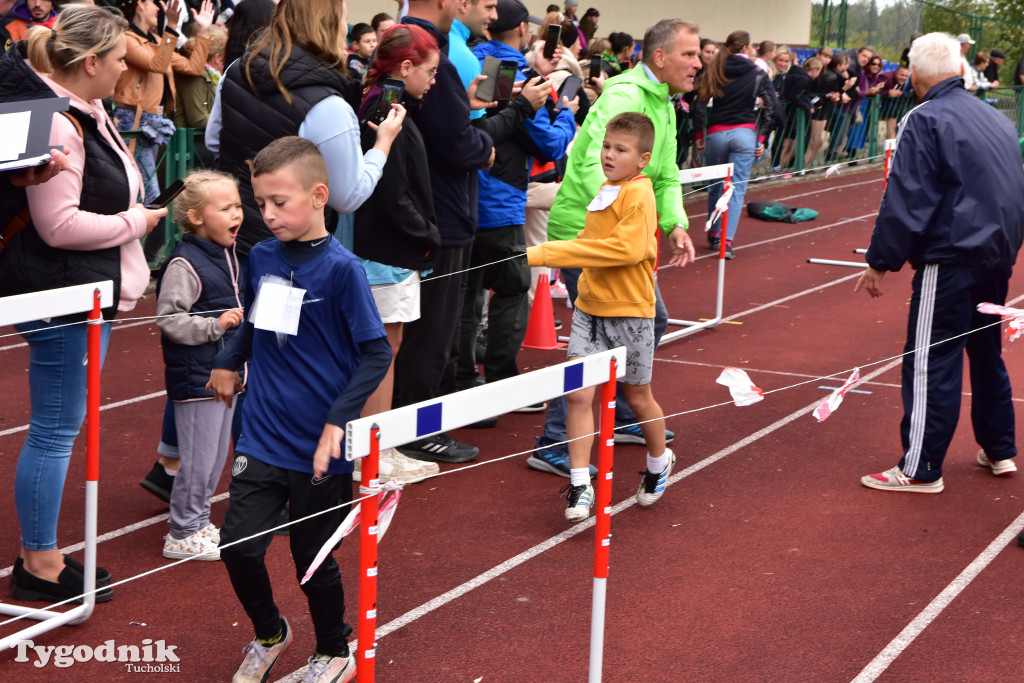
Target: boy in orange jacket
{"x": 615, "y": 307}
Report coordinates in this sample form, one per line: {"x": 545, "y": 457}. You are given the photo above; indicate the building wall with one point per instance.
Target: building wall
{"x": 782, "y": 21}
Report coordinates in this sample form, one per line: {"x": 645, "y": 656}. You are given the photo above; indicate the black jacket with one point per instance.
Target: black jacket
{"x": 28, "y": 264}
{"x": 956, "y": 190}
{"x": 187, "y": 368}
{"x": 252, "y": 119}
{"x": 795, "y": 90}
{"x": 737, "y": 105}
{"x": 397, "y": 225}
{"x": 455, "y": 148}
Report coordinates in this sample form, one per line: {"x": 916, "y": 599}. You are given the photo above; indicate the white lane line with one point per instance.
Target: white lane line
{"x": 513, "y": 562}
{"x": 115, "y": 327}
{"x": 116, "y": 404}
{"x": 805, "y": 194}
{"x": 116, "y": 533}
{"x": 907, "y": 636}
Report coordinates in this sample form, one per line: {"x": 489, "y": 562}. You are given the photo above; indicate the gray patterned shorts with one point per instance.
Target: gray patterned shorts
{"x": 592, "y": 334}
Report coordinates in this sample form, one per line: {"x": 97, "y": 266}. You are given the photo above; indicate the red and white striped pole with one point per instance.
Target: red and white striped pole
{"x": 92, "y": 448}
{"x": 368, "y": 508}
{"x": 723, "y": 224}
{"x": 603, "y": 522}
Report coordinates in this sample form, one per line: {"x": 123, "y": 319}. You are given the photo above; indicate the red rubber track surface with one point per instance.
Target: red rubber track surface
{"x": 768, "y": 562}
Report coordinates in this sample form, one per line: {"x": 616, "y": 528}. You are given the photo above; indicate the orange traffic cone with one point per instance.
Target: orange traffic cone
{"x": 540, "y": 330}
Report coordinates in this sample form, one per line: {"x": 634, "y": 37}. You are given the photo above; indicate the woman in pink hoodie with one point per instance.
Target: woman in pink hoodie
{"x": 84, "y": 226}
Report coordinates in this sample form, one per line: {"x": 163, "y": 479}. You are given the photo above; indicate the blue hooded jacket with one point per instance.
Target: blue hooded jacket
{"x": 956, "y": 189}
{"x": 546, "y": 136}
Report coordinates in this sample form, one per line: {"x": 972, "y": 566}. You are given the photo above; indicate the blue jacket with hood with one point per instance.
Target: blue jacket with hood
{"x": 547, "y": 135}
{"x": 956, "y": 190}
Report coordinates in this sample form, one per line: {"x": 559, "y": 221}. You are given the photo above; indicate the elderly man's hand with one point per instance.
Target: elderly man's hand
{"x": 869, "y": 281}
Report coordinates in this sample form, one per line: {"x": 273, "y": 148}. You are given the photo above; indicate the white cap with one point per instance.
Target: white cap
{"x": 964, "y": 38}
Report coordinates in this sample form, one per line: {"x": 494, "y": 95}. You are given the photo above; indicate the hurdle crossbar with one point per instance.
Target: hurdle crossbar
{"x": 694, "y": 175}
{"x": 368, "y": 436}
{"x": 89, "y": 298}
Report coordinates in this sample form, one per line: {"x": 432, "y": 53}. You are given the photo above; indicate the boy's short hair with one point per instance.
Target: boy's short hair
{"x": 298, "y": 154}
{"x": 636, "y": 124}
{"x": 358, "y": 31}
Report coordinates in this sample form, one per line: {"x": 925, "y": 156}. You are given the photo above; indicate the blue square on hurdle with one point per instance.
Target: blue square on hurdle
{"x": 428, "y": 419}
{"x": 573, "y": 378}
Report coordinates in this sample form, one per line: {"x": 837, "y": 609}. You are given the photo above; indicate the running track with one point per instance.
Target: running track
{"x": 765, "y": 561}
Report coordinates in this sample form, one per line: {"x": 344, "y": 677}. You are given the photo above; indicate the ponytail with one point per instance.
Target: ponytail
{"x": 713, "y": 81}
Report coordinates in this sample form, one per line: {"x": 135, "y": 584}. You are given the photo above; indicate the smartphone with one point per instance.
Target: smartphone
{"x": 489, "y": 86}
{"x": 393, "y": 89}
{"x": 596, "y": 64}
{"x": 570, "y": 87}
{"x": 506, "y": 79}
{"x": 551, "y": 40}
{"x": 172, "y": 191}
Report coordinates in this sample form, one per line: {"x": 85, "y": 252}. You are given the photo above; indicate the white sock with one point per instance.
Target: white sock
{"x": 657, "y": 465}
{"x": 579, "y": 476}
{"x": 170, "y": 473}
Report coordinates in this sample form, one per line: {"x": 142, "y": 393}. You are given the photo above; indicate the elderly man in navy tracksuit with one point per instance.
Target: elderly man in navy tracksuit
{"x": 954, "y": 209}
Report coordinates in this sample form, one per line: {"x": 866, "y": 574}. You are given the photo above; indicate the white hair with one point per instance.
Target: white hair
{"x": 935, "y": 56}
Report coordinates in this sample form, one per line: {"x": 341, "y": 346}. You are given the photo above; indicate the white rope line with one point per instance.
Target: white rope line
{"x": 224, "y": 310}
{"x": 443, "y": 275}
{"x": 482, "y": 463}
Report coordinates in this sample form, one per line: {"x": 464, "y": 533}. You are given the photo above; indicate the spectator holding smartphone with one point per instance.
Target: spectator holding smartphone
{"x": 396, "y": 228}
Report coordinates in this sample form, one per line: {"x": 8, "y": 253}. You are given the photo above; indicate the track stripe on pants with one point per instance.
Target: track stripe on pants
{"x": 922, "y": 340}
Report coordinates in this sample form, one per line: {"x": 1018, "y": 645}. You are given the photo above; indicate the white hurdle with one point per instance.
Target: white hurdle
{"x": 368, "y": 436}
{"x": 695, "y": 175}
{"x": 49, "y": 304}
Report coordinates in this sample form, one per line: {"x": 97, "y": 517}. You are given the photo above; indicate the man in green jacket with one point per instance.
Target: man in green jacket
{"x": 671, "y": 59}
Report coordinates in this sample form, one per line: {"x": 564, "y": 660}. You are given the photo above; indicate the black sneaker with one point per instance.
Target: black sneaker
{"x": 729, "y": 253}
{"x": 535, "y": 408}
{"x": 558, "y": 324}
{"x": 713, "y": 243}
{"x": 486, "y": 423}
{"x": 27, "y": 586}
{"x": 440, "y": 448}
{"x": 158, "y": 482}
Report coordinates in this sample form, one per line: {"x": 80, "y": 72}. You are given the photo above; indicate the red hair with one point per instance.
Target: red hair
{"x": 397, "y": 44}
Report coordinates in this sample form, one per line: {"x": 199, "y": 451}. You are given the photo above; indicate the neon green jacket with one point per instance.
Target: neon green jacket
{"x": 630, "y": 91}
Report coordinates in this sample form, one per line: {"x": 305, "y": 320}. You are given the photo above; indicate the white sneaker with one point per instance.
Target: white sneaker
{"x": 998, "y": 467}
{"x": 402, "y": 468}
{"x": 330, "y": 670}
{"x": 197, "y": 546}
{"x": 558, "y": 290}
{"x": 211, "y": 532}
{"x": 579, "y": 500}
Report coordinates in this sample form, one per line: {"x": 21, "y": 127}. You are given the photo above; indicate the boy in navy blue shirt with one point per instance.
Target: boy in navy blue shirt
{"x": 317, "y": 350}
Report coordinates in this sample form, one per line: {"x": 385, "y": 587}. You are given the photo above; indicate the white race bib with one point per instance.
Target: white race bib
{"x": 604, "y": 198}
{"x": 278, "y": 306}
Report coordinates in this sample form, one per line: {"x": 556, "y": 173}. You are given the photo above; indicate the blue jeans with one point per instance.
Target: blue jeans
{"x": 57, "y": 384}
{"x": 735, "y": 146}
{"x": 554, "y": 423}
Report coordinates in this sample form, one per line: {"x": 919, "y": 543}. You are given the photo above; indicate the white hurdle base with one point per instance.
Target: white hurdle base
{"x": 51, "y": 304}
{"x": 694, "y": 175}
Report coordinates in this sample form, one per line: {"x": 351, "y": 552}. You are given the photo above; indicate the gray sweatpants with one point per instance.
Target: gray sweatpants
{"x": 204, "y": 432}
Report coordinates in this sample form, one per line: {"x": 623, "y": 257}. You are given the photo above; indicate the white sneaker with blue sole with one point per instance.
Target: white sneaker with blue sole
{"x": 653, "y": 485}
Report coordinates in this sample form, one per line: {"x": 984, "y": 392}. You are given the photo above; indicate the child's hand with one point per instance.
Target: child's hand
{"x": 224, "y": 384}
{"x": 329, "y": 447}
{"x": 229, "y": 319}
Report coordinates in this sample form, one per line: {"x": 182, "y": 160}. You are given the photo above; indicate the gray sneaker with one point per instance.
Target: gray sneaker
{"x": 260, "y": 659}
